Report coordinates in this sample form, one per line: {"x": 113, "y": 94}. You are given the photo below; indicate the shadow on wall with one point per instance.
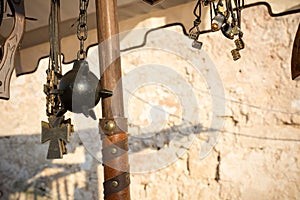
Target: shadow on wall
{"x": 26, "y": 174}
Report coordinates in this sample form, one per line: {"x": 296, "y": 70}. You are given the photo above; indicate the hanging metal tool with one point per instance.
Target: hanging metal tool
{"x": 224, "y": 17}
{"x": 236, "y": 29}
{"x": 57, "y": 130}
{"x": 230, "y": 23}
{"x": 9, "y": 48}
{"x": 195, "y": 32}
{"x": 218, "y": 21}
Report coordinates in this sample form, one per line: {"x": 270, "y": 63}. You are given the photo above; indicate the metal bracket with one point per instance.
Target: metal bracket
{"x": 10, "y": 47}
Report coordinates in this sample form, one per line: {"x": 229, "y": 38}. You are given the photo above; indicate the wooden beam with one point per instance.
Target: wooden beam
{"x": 116, "y": 166}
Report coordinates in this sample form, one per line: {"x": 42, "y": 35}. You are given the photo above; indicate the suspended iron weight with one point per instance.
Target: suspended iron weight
{"x": 80, "y": 90}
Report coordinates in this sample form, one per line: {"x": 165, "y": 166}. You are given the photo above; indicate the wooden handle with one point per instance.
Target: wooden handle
{"x": 116, "y": 167}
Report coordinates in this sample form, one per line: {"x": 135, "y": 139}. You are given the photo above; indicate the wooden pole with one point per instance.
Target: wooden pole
{"x": 113, "y": 125}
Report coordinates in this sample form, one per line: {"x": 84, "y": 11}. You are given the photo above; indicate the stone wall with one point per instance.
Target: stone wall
{"x": 257, "y": 153}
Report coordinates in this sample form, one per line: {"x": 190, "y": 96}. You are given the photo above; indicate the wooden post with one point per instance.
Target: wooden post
{"x": 113, "y": 125}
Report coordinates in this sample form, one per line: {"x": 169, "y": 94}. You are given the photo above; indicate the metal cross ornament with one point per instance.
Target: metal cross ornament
{"x": 58, "y": 131}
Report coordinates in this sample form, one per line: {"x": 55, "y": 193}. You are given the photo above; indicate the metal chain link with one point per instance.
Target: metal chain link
{"x": 54, "y": 66}
{"x": 82, "y": 28}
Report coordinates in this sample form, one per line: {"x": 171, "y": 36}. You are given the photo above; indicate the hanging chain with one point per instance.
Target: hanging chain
{"x": 57, "y": 129}
{"x": 54, "y": 68}
{"x": 82, "y": 28}
{"x": 194, "y": 32}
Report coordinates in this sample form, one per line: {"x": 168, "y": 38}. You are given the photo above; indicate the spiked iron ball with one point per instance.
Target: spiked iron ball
{"x": 80, "y": 90}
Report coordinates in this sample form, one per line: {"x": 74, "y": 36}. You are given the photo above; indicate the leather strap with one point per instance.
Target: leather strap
{"x": 116, "y": 184}
{"x": 114, "y": 150}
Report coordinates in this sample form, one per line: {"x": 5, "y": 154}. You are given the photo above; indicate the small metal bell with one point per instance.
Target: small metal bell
{"x": 227, "y": 31}
{"x": 217, "y": 22}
